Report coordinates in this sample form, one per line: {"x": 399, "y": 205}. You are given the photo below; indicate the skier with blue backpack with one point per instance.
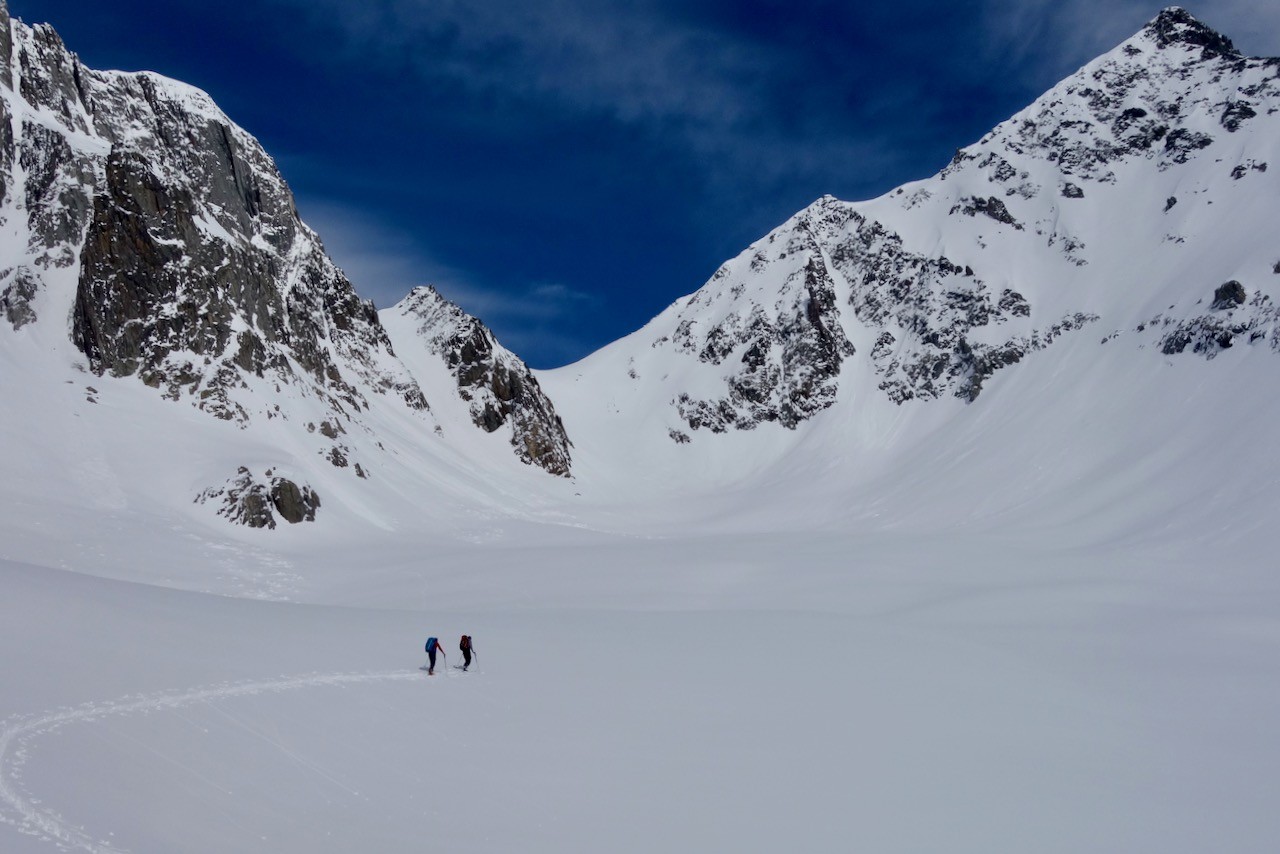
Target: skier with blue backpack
{"x": 433, "y": 646}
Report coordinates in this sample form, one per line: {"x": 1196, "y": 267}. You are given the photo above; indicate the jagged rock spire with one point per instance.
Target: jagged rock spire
{"x": 498, "y": 387}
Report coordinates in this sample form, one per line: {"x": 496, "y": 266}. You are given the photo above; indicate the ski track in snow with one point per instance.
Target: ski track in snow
{"x": 26, "y": 811}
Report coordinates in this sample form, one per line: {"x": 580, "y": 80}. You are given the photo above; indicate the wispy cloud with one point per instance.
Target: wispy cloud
{"x": 540, "y": 322}
{"x": 385, "y": 263}
{"x": 529, "y": 304}
{"x": 628, "y": 59}
{"x": 688, "y": 83}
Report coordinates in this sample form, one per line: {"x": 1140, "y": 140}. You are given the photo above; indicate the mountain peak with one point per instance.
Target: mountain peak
{"x": 1177, "y": 26}
{"x": 497, "y": 386}
{"x": 424, "y": 299}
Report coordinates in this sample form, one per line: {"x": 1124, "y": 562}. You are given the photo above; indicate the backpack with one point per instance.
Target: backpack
{"x": 432, "y": 643}
{"x": 465, "y": 643}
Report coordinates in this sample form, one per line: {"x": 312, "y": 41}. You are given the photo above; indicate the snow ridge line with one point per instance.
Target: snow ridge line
{"x": 16, "y": 734}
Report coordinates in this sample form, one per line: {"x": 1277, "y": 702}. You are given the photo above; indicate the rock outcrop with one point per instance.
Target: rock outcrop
{"x": 782, "y": 360}
{"x": 778, "y": 320}
{"x": 253, "y": 501}
{"x": 1234, "y": 317}
{"x": 500, "y": 391}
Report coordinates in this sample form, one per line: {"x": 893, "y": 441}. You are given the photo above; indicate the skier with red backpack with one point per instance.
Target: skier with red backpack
{"x": 467, "y": 650}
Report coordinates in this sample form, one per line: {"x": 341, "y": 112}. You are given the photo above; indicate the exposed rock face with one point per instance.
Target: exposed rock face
{"x": 1233, "y": 317}
{"x": 990, "y": 206}
{"x": 936, "y": 323}
{"x": 500, "y": 390}
{"x": 1229, "y": 296}
{"x": 18, "y": 289}
{"x": 42, "y": 177}
{"x": 294, "y": 503}
{"x": 195, "y": 273}
{"x": 782, "y": 360}
{"x": 253, "y": 501}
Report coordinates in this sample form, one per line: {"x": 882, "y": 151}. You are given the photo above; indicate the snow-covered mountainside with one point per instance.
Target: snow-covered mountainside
{"x": 192, "y": 269}
{"x": 1028, "y": 235}
{"x": 1119, "y": 222}
{"x": 1130, "y": 208}
{"x": 145, "y": 237}
{"x": 1115, "y": 229}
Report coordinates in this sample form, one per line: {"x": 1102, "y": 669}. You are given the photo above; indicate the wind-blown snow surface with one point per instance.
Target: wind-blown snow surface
{"x": 1047, "y": 620}
{"x": 1071, "y": 712}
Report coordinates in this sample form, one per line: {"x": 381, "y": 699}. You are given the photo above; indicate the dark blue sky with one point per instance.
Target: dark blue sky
{"x": 566, "y": 170}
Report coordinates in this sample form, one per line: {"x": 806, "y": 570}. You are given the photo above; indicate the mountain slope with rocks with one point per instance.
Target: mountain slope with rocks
{"x": 499, "y": 390}
{"x": 194, "y": 270}
{"x": 147, "y": 238}
{"x": 1041, "y": 312}
{"x": 1125, "y": 214}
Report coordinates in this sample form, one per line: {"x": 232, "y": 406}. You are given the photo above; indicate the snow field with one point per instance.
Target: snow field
{"x": 970, "y": 716}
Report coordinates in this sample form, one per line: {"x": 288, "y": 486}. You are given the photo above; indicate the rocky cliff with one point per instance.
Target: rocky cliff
{"x": 194, "y": 268}
{"x": 499, "y": 390}
{"x": 137, "y": 219}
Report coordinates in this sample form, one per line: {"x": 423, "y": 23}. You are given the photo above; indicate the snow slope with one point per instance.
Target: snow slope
{"x": 968, "y": 713}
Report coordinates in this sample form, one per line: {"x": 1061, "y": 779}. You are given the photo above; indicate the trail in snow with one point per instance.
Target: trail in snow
{"x": 18, "y": 733}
